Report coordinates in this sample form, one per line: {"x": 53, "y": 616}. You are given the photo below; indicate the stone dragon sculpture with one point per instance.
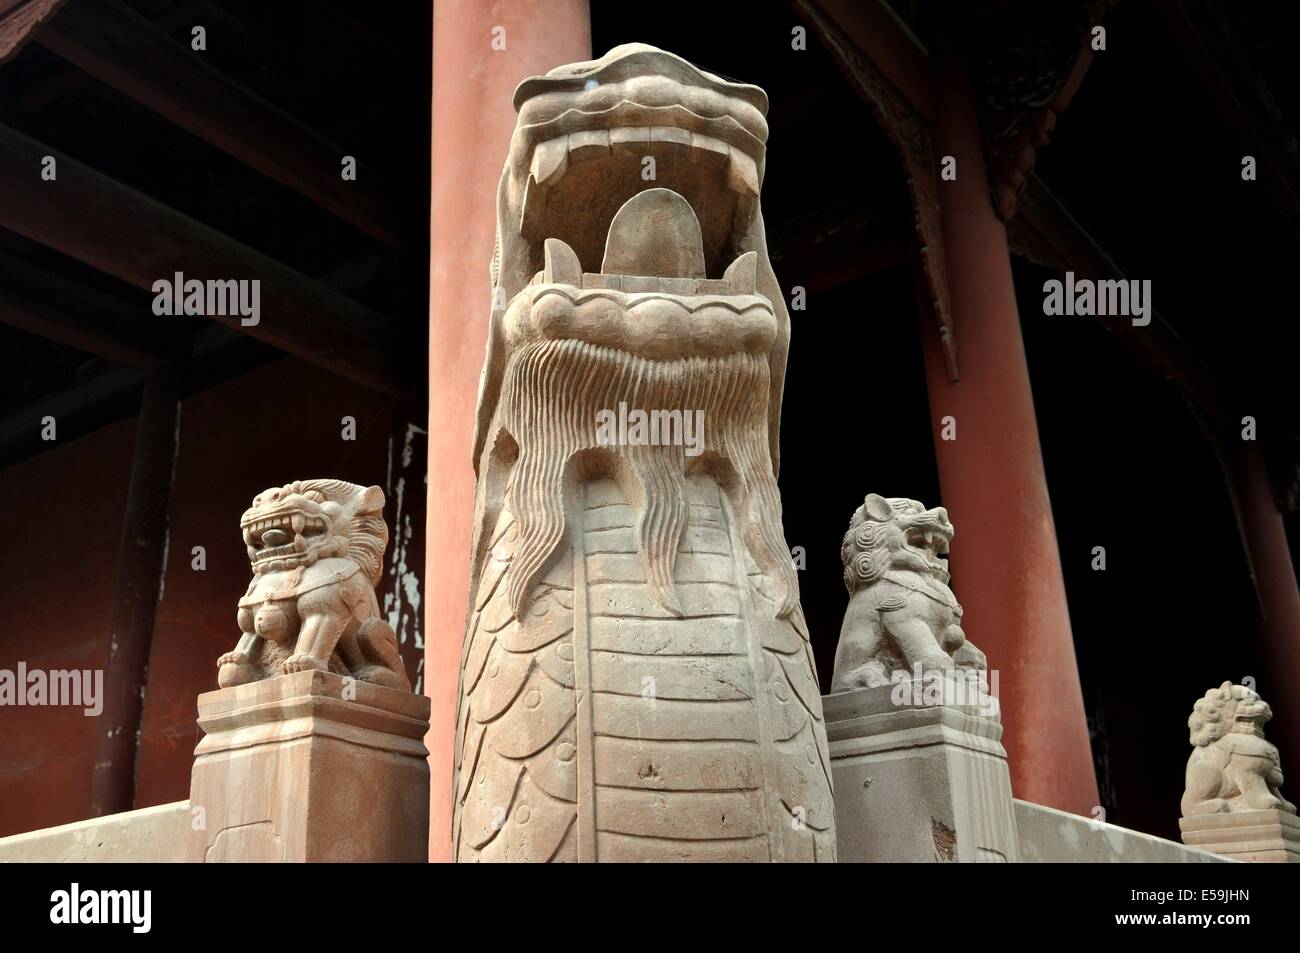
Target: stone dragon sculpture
{"x": 317, "y": 548}
{"x": 637, "y": 681}
{"x": 1232, "y": 767}
{"x": 901, "y": 613}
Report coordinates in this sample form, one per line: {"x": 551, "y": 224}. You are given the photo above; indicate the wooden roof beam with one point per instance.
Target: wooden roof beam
{"x": 122, "y": 232}
{"x": 113, "y": 395}
{"x": 19, "y": 21}
{"x": 1242, "y": 98}
{"x": 111, "y": 42}
{"x": 71, "y": 313}
{"x": 1042, "y": 224}
{"x": 1046, "y": 231}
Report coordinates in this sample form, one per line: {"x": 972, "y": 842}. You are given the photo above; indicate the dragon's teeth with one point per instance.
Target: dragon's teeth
{"x": 630, "y": 139}
{"x": 742, "y": 275}
{"x": 673, "y": 134}
{"x": 706, "y": 149}
{"x": 587, "y": 145}
{"x": 742, "y": 174}
{"x": 550, "y": 158}
{"x": 561, "y": 264}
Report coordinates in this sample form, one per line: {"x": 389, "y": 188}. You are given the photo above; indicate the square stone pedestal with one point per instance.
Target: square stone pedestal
{"x": 1266, "y": 837}
{"x": 310, "y": 767}
{"x": 918, "y": 782}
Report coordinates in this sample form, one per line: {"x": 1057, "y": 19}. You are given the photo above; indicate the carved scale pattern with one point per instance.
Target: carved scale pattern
{"x": 587, "y": 588}
{"x": 612, "y": 695}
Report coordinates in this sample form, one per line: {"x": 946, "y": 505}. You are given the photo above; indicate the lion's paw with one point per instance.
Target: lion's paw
{"x": 234, "y": 669}
{"x": 967, "y": 656}
{"x": 302, "y": 663}
{"x": 384, "y": 677}
{"x": 938, "y": 662}
{"x": 869, "y": 674}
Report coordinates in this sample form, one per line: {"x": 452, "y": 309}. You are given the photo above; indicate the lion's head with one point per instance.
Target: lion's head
{"x": 894, "y": 533}
{"x": 1226, "y": 709}
{"x": 301, "y": 522}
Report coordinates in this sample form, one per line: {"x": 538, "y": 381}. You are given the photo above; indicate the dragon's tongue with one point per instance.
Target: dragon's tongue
{"x": 655, "y": 233}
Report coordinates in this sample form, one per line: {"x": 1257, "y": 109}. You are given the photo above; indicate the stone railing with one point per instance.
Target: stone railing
{"x": 150, "y": 835}
{"x": 309, "y": 766}
{"x": 1049, "y": 836}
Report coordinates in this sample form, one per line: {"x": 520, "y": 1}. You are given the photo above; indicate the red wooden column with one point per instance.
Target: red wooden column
{"x": 1279, "y": 600}
{"x": 1005, "y": 563}
{"x": 472, "y": 122}
{"x": 140, "y": 565}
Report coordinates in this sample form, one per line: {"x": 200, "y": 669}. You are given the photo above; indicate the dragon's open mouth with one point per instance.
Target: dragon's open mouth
{"x": 651, "y": 296}
{"x": 928, "y": 538}
{"x": 598, "y": 133}
{"x": 931, "y": 540}
{"x": 281, "y": 535}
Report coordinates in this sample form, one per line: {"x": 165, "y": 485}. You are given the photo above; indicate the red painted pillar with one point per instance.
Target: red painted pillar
{"x": 472, "y": 122}
{"x": 140, "y": 563}
{"x": 1279, "y": 599}
{"x": 1005, "y": 564}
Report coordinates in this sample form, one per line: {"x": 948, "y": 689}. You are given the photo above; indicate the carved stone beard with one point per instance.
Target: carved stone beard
{"x": 552, "y": 394}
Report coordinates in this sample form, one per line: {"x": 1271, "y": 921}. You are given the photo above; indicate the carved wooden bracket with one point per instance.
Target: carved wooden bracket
{"x": 1033, "y": 61}
{"x": 908, "y": 131}
{"x": 19, "y": 21}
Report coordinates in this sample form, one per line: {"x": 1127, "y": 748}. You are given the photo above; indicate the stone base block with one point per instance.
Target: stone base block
{"x": 1266, "y": 837}
{"x": 310, "y": 767}
{"x": 918, "y": 782}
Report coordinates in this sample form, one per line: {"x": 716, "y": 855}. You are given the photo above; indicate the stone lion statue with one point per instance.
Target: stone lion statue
{"x": 317, "y": 549}
{"x": 1232, "y": 767}
{"x": 901, "y": 613}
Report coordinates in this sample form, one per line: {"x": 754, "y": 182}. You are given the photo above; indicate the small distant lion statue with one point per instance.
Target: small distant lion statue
{"x": 317, "y": 549}
{"x": 901, "y": 613}
{"x": 1232, "y": 767}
